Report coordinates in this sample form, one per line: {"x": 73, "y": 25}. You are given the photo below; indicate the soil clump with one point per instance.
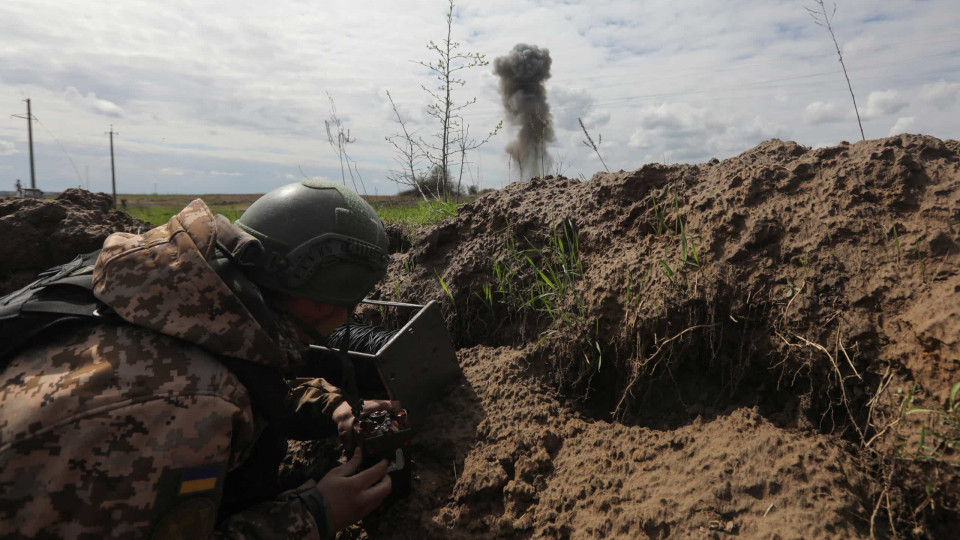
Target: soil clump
{"x": 702, "y": 350}
{"x": 40, "y": 233}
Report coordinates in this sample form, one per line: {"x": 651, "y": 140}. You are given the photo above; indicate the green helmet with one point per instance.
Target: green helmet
{"x": 319, "y": 240}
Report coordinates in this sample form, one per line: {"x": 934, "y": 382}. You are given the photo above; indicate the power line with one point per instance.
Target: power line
{"x": 64, "y": 150}
{"x": 859, "y": 69}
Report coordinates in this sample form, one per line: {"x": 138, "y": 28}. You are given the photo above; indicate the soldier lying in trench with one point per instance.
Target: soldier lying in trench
{"x": 152, "y": 403}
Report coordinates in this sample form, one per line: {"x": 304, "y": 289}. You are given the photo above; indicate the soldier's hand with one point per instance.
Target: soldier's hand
{"x": 351, "y": 495}
{"x": 343, "y": 415}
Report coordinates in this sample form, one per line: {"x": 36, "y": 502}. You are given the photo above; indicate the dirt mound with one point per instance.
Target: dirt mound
{"x": 687, "y": 350}
{"x": 40, "y": 233}
{"x": 750, "y": 347}
{"x": 520, "y": 462}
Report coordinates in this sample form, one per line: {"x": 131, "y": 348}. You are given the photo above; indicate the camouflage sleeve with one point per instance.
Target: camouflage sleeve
{"x": 290, "y": 515}
{"x": 311, "y": 403}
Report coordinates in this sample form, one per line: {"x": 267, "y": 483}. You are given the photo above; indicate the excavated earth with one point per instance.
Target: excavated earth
{"x": 715, "y": 350}
{"x": 38, "y": 233}
{"x": 755, "y": 390}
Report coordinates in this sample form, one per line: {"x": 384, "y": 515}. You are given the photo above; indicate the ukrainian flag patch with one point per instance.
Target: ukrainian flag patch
{"x": 199, "y": 479}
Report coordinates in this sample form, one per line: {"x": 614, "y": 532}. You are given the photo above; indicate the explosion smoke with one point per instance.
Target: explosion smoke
{"x": 522, "y": 75}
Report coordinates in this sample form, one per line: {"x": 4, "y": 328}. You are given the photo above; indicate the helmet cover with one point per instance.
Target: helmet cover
{"x": 320, "y": 240}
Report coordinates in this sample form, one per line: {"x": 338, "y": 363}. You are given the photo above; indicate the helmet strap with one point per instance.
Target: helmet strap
{"x": 350, "y": 391}
{"x": 306, "y": 329}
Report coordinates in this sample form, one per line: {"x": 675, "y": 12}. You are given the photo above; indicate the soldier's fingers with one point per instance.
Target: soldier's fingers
{"x": 370, "y": 405}
{"x": 371, "y": 476}
{"x": 346, "y": 424}
{"x": 351, "y": 466}
{"x": 378, "y": 492}
{"x": 345, "y": 429}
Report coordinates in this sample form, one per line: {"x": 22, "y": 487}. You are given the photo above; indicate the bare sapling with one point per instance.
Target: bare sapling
{"x": 447, "y": 64}
{"x": 338, "y": 137}
{"x": 409, "y": 155}
{"x": 590, "y": 144}
{"x": 821, "y": 18}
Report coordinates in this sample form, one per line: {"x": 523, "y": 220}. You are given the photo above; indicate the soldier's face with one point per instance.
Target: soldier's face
{"x": 321, "y": 317}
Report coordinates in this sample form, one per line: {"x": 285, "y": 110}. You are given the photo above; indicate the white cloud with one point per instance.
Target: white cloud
{"x": 411, "y": 115}
{"x": 92, "y": 103}
{"x": 299, "y": 178}
{"x": 686, "y": 133}
{"x": 883, "y": 103}
{"x": 820, "y": 112}
{"x": 221, "y": 173}
{"x": 940, "y": 94}
{"x": 242, "y": 90}
{"x": 7, "y": 148}
{"x": 569, "y": 105}
{"x": 860, "y": 45}
{"x": 903, "y": 125}
{"x": 168, "y": 171}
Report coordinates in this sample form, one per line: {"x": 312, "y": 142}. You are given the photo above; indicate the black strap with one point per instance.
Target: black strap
{"x": 62, "y": 294}
{"x": 257, "y": 479}
{"x": 350, "y": 391}
{"x": 317, "y": 505}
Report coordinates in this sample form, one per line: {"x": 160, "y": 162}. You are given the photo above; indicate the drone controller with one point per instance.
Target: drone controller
{"x": 416, "y": 367}
{"x": 384, "y": 435}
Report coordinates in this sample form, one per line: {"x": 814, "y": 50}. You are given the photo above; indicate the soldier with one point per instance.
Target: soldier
{"x": 165, "y": 415}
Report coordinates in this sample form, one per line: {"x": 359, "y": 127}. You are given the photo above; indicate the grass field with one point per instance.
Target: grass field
{"x": 410, "y": 212}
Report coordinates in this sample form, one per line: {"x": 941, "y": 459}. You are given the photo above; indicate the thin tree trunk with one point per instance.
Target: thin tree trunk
{"x": 447, "y": 106}
{"x": 829, "y": 27}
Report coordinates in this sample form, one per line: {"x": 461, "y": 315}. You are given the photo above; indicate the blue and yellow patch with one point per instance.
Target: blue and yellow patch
{"x": 199, "y": 479}
{"x": 187, "y": 501}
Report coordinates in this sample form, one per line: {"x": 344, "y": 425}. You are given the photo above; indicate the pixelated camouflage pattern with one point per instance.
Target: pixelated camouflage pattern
{"x": 311, "y": 403}
{"x": 96, "y": 416}
{"x": 161, "y": 280}
{"x": 274, "y": 519}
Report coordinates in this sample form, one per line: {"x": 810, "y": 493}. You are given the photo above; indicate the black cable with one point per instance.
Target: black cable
{"x": 364, "y": 339}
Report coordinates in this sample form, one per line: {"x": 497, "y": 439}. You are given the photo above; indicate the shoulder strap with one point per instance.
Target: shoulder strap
{"x": 257, "y": 479}
{"x": 62, "y": 293}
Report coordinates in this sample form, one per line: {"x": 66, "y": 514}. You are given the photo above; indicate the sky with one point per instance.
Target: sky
{"x": 231, "y": 97}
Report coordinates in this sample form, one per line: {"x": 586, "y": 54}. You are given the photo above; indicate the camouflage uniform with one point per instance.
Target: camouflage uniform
{"x": 130, "y": 430}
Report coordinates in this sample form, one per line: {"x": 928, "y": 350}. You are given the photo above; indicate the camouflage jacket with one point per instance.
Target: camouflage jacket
{"x": 129, "y": 430}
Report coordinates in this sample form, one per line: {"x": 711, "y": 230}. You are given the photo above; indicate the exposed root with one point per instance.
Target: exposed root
{"x": 836, "y": 368}
{"x": 641, "y": 366}
{"x": 876, "y": 510}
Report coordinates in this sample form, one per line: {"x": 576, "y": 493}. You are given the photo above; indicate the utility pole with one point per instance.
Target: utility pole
{"x": 113, "y": 174}
{"x": 29, "y": 118}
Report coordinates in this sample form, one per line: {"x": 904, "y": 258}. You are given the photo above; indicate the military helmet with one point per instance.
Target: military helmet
{"x": 319, "y": 240}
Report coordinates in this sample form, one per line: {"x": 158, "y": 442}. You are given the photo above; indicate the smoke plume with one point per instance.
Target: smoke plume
{"x": 522, "y": 75}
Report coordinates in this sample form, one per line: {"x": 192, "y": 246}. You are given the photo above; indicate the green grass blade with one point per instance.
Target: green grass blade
{"x": 447, "y": 290}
